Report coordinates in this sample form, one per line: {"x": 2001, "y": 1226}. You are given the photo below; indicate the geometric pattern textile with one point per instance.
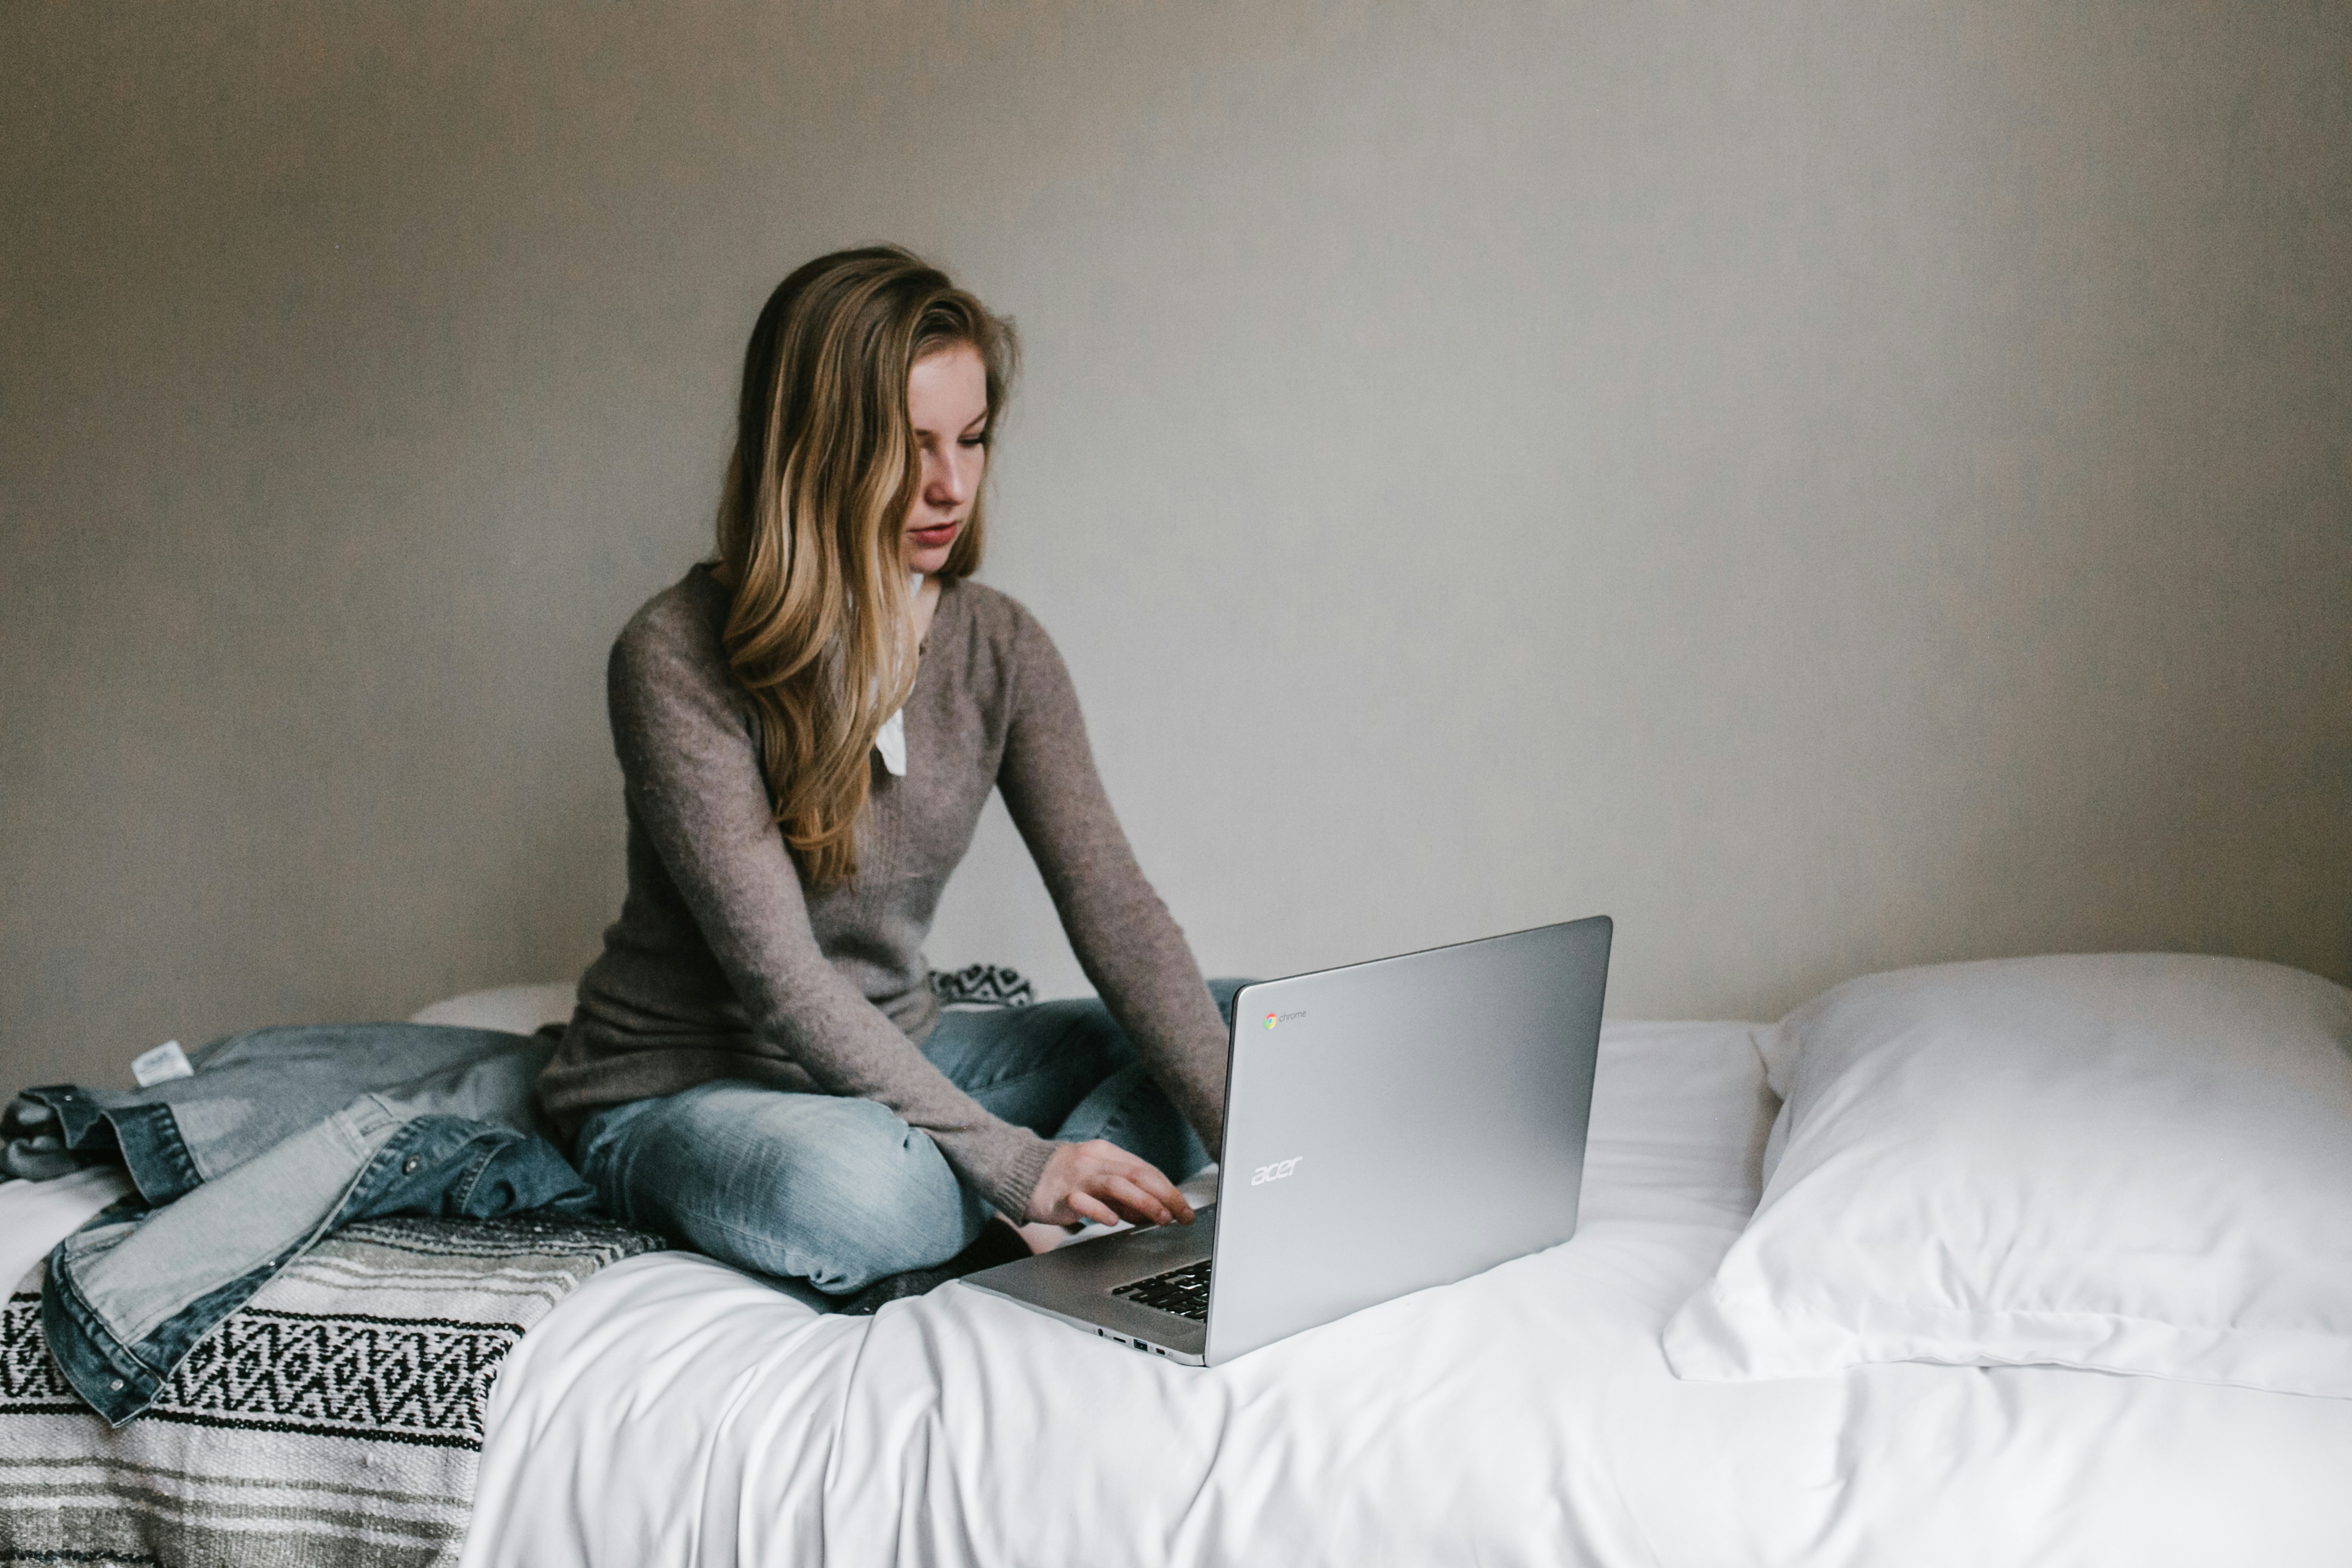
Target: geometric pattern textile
{"x": 982, "y": 985}
{"x": 336, "y": 1418}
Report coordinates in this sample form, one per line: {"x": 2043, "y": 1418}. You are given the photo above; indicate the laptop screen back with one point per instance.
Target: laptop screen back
{"x": 1403, "y": 1124}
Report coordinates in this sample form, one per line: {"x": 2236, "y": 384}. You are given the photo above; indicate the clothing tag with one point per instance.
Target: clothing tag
{"x": 161, "y": 1065}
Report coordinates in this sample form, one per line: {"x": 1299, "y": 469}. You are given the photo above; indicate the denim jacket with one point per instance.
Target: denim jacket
{"x": 279, "y": 1137}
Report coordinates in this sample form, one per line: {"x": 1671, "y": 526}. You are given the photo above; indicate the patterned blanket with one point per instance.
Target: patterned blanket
{"x": 335, "y": 1419}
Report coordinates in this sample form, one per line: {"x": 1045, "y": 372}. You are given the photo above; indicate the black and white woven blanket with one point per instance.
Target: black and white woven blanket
{"x": 336, "y": 1419}
{"x": 979, "y": 985}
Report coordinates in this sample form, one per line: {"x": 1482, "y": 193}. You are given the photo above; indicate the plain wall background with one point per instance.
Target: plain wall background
{"x": 1833, "y": 486}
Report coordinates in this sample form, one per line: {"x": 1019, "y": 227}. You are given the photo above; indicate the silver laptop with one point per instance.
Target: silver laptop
{"x": 1389, "y": 1126}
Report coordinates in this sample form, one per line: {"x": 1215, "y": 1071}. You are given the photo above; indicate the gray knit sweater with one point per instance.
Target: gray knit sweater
{"x": 723, "y": 965}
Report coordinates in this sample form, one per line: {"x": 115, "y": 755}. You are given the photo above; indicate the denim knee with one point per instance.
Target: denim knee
{"x": 1129, "y": 1109}
{"x": 832, "y": 1189}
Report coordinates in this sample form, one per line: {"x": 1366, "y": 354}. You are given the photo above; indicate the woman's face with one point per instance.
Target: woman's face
{"x": 947, "y": 394}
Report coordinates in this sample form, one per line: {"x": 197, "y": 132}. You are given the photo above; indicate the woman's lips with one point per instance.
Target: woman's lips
{"x": 943, "y": 534}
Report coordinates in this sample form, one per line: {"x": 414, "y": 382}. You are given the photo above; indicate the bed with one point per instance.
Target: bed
{"x": 672, "y": 1410}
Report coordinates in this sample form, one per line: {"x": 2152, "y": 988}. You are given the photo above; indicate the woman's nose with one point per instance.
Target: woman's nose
{"x": 948, "y": 481}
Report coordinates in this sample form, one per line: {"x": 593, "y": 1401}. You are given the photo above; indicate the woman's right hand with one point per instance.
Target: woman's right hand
{"x": 1103, "y": 1182}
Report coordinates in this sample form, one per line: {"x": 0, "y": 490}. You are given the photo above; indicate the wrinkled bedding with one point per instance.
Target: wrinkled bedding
{"x": 672, "y": 1410}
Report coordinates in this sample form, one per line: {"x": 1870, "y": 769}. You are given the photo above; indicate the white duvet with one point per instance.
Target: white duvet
{"x": 672, "y": 1411}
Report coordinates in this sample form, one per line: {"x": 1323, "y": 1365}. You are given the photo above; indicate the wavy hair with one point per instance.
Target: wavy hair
{"x": 811, "y": 520}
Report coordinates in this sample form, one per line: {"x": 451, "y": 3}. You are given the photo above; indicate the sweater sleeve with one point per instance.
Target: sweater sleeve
{"x": 691, "y": 768}
{"x": 1130, "y": 946}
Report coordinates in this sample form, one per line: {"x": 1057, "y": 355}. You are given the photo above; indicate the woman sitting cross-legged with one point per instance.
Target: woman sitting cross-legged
{"x": 808, "y": 728}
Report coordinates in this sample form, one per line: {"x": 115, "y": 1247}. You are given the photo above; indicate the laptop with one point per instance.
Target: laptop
{"x": 1389, "y": 1126}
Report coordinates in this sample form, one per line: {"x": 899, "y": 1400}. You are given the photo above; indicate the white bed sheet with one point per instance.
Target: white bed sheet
{"x": 673, "y": 1411}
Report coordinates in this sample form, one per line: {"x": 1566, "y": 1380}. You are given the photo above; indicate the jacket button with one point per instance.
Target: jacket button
{"x": 116, "y": 1385}
{"x": 409, "y": 1167}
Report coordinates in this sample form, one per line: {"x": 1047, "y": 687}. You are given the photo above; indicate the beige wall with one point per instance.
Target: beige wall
{"x": 1834, "y": 487}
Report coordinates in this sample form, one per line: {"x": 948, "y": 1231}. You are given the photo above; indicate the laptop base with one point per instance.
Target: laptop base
{"x": 1075, "y": 1284}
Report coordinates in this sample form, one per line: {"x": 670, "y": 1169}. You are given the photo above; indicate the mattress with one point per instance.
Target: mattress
{"x": 672, "y": 1410}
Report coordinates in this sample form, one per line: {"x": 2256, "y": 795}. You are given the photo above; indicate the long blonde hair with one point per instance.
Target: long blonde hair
{"x": 824, "y": 474}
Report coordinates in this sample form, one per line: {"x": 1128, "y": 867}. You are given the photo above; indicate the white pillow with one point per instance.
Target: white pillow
{"x": 2136, "y": 1163}
{"x": 517, "y": 1009}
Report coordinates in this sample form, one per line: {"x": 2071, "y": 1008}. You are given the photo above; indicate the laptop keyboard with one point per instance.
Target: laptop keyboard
{"x": 1182, "y": 1291}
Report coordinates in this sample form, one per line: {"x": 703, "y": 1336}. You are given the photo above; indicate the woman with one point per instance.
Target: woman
{"x": 808, "y": 728}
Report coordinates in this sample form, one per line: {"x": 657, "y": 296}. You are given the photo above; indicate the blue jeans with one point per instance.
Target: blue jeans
{"x": 836, "y": 1190}
{"x": 281, "y": 1136}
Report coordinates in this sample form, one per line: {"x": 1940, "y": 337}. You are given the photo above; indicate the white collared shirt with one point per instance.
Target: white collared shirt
{"x": 891, "y": 739}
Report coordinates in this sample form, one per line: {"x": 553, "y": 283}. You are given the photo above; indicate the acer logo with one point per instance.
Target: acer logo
{"x": 1274, "y": 1172}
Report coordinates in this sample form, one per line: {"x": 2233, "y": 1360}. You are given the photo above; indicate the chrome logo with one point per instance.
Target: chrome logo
{"x": 1269, "y": 1020}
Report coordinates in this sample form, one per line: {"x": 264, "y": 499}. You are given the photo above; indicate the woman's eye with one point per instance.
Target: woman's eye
{"x": 971, "y": 441}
